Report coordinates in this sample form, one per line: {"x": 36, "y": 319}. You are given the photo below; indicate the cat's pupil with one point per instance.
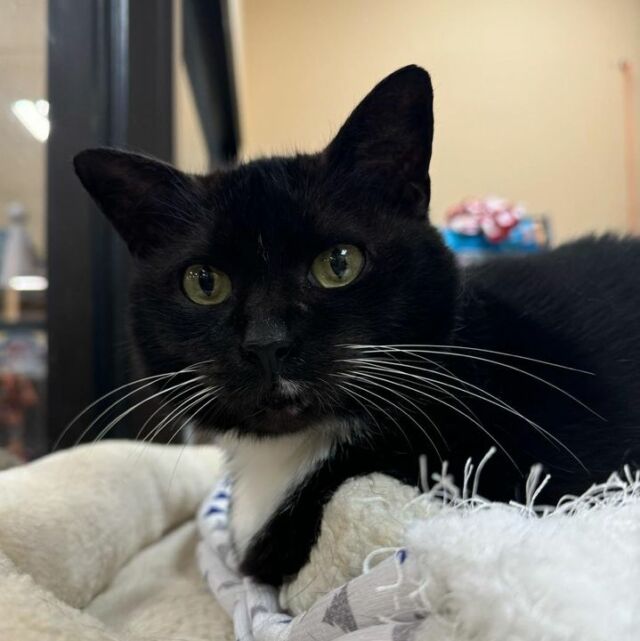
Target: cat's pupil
{"x": 338, "y": 261}
{"x": 206, "y": 281}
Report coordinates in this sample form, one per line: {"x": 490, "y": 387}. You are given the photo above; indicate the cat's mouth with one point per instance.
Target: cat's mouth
{"x": 285, "y": 410}
{"x": 282, "y": 419}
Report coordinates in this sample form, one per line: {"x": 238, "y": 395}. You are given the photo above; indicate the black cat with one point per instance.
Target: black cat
{"x": 322, "y": 329}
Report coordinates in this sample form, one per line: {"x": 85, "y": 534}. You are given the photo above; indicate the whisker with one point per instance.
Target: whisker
{"x": 108, "y": 409}
{"x": 507, "y": 366}
{"x": 379, "y": 364}
{"x": 367, "y": 400}
{"x": 404, "y": 397}
{"x": 104, "y": 397}
{"x": 148, "y": 437}
{"x": 120, "y": 416}
{"x": 369, "y": 375}
{"x": 181, "y": 408}
{"x": 209, "y": 397}
{"x": 402, "y": 346}
{"x": 155, "y": 378}
{"x": 487, "y": 397}
{"x": 437, "y": 385}
{"x": 363, "y": 406}
{"x": 458, "y": 411}
{"x": 171, "y": 399}
{"x": 432, "y": 362}
{"x": 333, "y": 397}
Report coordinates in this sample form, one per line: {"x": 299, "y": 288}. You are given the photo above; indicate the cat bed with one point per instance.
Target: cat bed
{"x": 445, "y": 565}
{"x": 99, "y": 543}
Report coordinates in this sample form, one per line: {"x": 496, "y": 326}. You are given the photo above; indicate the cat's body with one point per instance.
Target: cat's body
{"x": 516, "y": 306}
{"x": 333, "y": 335}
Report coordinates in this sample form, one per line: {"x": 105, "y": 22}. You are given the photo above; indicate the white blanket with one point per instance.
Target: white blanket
{"x": 99, "y": 543}
{"x": 456, "y": 568}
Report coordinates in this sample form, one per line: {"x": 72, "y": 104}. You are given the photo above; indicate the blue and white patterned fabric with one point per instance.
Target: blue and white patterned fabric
{"x": 382, "y": 604}
{"x": 252, "y": 607}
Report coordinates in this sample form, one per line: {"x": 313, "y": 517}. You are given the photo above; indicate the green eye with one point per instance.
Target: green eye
{"x": 337, "y": 266}
{"x": 205, "y": 285}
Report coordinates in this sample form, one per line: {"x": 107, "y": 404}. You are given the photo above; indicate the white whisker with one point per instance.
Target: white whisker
{"x": 458, "y": 411}
{"x": 212, "y": 395}
{"x": 403, "y": 397}
{"x": 171, "y": 399}
{"x": 362, "y": 405}
{"x": 499, "y": 364}
{"x": 134, "y": 407}
{"x": 369, "y": 375}
{"x": 381, "y": 409}
{"x": 487, "y": 397}
{"x": 209, "y": 397}
{"x": 175, "y": 412}
{"x": 169, "y": 376}
{"x": 193, "y": 400}
{"x": 104, "y": 397}
{"x": 437, "y": 385}
{"x": 180, "y": 408}
{"x": 403, "y": 346}
{"x": 483, "y": 395}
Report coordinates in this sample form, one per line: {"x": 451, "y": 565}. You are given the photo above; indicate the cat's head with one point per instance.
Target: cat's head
{"x": 258, "y": 278}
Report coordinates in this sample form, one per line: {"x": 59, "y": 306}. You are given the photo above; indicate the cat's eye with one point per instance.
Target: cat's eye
{"x": 338, "y": 266}
{"x": 206, "y": 285}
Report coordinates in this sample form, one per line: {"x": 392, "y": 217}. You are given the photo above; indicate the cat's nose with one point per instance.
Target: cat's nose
{"x": 269, "y": 353}
{"x": 266, "y": 341}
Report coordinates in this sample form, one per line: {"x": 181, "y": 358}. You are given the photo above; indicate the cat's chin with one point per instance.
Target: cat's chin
{"x": 287, "y": 419}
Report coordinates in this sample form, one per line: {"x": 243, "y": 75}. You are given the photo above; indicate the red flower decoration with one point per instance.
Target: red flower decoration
{"x": 492, "y": 217}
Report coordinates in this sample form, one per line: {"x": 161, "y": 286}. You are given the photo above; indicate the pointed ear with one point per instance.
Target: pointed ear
{"x": 386, "y": 141}
{"x": 145, "y": 199}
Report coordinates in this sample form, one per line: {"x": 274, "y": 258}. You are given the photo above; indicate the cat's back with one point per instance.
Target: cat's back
{"x": 578, "y": 305}
{"x": 588, "y": 278}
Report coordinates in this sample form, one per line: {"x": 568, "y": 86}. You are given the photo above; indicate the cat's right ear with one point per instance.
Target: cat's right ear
{"x": 385, "y": 144}
{"x": 141, "y": 196}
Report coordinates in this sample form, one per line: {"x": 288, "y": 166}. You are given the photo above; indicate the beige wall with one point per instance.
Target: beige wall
{"x": 528, "y": 93}
{"x": 189, "y": 143}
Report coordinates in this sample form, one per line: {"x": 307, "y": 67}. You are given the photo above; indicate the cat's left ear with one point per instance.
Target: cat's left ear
{"x": 386, "y": 141}
{"x": 147, "y": 201}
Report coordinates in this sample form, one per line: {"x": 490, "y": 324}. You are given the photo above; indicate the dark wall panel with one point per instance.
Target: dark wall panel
{"x": 110, "y": 83}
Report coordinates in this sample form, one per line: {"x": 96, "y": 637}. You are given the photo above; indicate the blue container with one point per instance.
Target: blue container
{"x": 529, "y": 236}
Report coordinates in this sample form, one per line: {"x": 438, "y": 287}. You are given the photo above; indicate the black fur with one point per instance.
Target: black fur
{"x": 264, "y": 222}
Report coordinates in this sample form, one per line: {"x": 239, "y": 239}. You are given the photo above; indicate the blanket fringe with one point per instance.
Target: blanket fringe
{"x": 618, "y": 490}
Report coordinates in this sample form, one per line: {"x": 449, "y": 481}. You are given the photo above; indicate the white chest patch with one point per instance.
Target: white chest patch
{"x": 264, "y": 471}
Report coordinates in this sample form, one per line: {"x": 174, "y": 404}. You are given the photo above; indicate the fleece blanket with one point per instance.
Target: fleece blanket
{"x": 445, "y": 565}
{"x": 100, "y": 543}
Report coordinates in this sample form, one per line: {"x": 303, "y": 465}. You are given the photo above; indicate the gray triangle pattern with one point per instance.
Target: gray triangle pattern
{"x": 339, "y": 613}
